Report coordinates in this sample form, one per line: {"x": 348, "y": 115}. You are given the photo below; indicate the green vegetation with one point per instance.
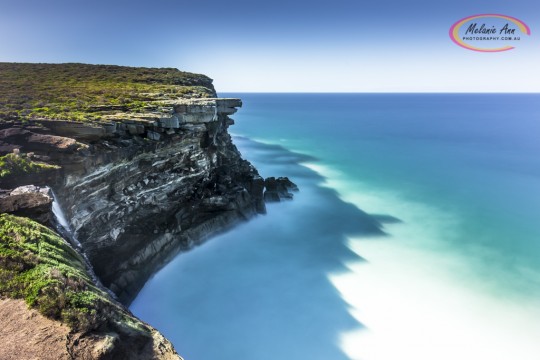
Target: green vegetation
{"x": 12, "y": 165}
{"x": 85, "y": 92}
{"x": 40, "y": 267}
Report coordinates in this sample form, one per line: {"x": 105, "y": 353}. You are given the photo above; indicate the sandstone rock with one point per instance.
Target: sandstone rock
{"x": 170, "y": 122}
{"x": 28, "y": 201}
{"x": 76, "y": 130}
{"x": 26, "y": 334}
{"x": 28, "y": 141}
{"x": 134, "y": 129}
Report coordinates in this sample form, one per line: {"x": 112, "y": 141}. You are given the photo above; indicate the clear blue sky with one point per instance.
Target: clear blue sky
{"x": 339, "y": 45}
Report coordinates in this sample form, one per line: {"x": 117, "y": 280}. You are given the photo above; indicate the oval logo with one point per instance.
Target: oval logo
{"x": 488, "y": 32}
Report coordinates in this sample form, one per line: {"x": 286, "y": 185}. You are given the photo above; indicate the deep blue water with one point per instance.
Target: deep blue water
{"x": 457, "y": 277}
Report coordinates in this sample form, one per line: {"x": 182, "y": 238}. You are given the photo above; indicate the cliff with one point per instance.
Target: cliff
{"x": 142, "y": 165}
{"x": 129, "y": 201}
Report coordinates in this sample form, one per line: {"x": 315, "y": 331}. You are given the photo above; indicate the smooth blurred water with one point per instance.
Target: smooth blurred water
{"x": 474, "y": 155}
{"x": 458, "y": 277}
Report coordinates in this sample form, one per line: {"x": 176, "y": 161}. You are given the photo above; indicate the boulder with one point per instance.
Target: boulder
{"x": 29, "y": 201}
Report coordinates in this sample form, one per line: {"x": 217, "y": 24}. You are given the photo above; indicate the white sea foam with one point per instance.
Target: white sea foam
{"x": 420, "y": 298}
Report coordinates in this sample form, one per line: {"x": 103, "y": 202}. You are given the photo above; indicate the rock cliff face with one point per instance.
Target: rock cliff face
{"x": 134, "y": 202}
{"x": 143, "y": 189}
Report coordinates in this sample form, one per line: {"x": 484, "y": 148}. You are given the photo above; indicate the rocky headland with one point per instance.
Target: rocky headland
{"x": 142, "y": 166}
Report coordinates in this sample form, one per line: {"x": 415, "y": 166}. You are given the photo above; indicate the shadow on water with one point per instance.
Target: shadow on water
{"x": 262, "y": 290}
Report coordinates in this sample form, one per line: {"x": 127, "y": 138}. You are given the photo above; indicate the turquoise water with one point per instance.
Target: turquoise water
{"x": 458, "y": 277}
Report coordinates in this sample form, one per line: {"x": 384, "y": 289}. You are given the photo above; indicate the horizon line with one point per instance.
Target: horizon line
{"x": 380, "y": 92}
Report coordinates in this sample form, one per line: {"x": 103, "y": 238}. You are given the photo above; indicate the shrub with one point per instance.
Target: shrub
{"x": 17, "y": 165}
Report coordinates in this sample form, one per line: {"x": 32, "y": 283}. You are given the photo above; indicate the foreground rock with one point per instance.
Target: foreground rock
{"x": 74, "y": 318}
{"x": 26, "y": 334}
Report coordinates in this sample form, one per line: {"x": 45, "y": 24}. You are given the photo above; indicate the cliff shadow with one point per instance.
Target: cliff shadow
{"x": 262, "y": 291}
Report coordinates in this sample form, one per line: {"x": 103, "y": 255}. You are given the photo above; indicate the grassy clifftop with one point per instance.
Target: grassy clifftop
{"x": 85, "y": 92}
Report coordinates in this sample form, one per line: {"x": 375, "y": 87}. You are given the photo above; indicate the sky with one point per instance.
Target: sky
{"x": 280, "y": 46}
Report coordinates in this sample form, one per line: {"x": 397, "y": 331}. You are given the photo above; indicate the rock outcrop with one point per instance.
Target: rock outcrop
{"x": 279, "y": 189}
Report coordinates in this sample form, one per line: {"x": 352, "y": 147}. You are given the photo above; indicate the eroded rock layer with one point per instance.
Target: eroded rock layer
{"x": 133, "y": 202}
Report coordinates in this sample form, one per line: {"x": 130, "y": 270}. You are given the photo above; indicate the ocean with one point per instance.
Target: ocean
{"x": 415, "y": 235}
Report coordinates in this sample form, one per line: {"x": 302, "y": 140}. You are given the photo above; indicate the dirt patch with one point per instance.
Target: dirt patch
{"x": 28, "y": 335}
